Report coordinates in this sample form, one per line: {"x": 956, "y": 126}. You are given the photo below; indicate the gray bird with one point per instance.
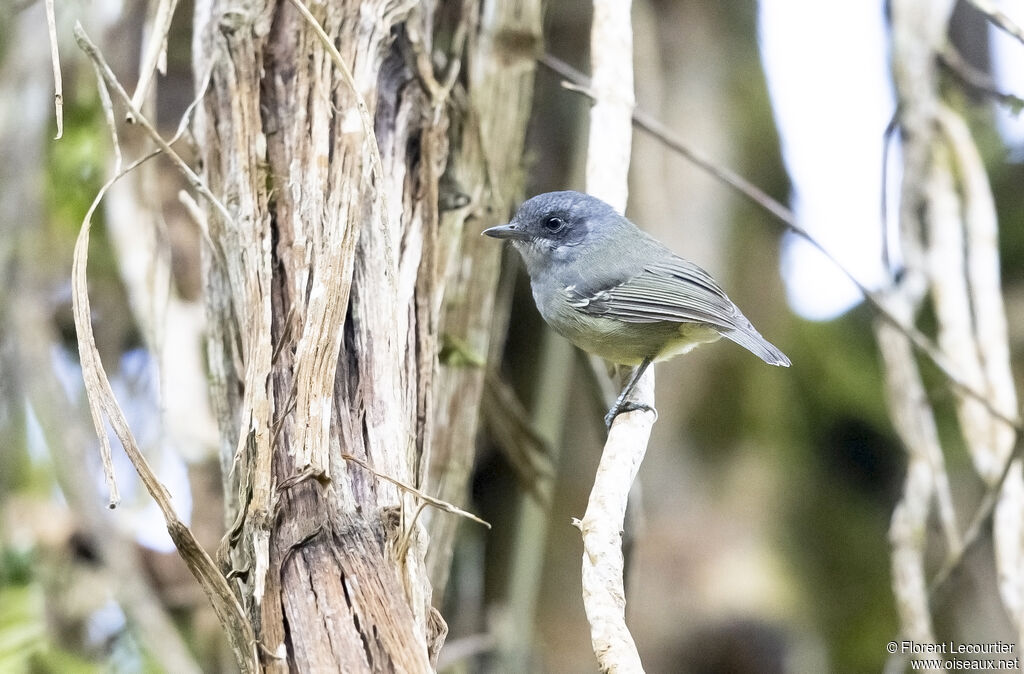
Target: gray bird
{"x": 616, "y": 292}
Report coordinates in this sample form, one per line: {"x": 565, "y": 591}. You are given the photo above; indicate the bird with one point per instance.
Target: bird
{"x": 617, "y": 292}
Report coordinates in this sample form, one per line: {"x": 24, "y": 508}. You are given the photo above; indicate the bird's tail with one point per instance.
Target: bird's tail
{"x": 751, "y": 340}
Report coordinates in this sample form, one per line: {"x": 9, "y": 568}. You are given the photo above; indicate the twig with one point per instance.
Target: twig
{"x": 603, "y": 589}
{"x": 155, "y": 55}
{"x": 956, "y": 64}
{"x": 996, "y": 16}
{"x": 193, "y": 179}
{"x": 103, "y": 406}
{"x": 436, "y": 502}
{"x": 887, "y": 138}
{"x": 915, "y": 424}
{"x": 972, "y": 534}
{"x": 108, "y": 112}
{"x": 58, "y": 86}
{"x": 108, "y": 116}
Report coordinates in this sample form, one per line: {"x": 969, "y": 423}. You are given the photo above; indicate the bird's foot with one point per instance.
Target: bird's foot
{"x": 627, "y": 406}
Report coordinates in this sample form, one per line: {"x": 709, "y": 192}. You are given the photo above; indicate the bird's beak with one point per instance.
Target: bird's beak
{"x": 509, "y": 231}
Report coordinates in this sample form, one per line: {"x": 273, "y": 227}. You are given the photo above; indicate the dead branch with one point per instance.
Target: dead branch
{"x": 607, "y": 170}
{"x": 105, "y": 408}
{"x": 999, "y": 18}
{"x": 58, "y": 87}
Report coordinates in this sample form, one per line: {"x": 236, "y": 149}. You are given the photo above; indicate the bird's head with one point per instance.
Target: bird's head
{"x": 559, "y": 227}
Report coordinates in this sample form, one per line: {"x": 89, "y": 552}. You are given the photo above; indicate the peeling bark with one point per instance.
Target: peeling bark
{"x": 326, "y": 310}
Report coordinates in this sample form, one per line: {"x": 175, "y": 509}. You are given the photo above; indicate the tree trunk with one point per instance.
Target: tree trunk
{"x": 325, "y": 279}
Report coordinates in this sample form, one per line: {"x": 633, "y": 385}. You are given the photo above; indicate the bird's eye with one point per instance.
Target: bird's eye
{"x": 554, "y": 224}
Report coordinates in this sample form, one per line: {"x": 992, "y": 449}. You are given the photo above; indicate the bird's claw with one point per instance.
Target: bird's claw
{"x": 628, "y": 406}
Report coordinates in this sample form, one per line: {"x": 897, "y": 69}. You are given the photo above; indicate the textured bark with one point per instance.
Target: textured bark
{"x": 325, "y": 309}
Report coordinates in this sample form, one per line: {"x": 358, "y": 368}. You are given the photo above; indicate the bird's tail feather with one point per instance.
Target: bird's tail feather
{"x": 751, "y": 340}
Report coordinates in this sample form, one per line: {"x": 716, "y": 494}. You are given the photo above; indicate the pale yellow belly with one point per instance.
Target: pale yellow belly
{"x": 631, "y": 343}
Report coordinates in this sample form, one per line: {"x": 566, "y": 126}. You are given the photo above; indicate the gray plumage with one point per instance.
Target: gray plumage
{"x": 615, "y": 291}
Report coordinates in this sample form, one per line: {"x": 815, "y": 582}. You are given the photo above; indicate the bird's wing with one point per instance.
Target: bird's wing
{"x": 671, "y": 290}
{"x": 674, "y": 290}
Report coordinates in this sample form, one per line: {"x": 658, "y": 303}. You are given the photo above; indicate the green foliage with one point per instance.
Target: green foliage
{"x": 22, "y": 626}
{"x": 16, "y": 566}
{"x": 76, "y": 165}
{"x": 27, "y": 641}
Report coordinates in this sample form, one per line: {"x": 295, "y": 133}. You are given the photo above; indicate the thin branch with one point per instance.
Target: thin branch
{"x": 887, "y": 138}
{"x": 108, "y": 116}
{"x": 915, "y": 424}
{"x": 975, "y": 79}
{"x": 58, "y": 86}
{"x": 430, "y": 500}
{"x": 193, "y": 179}
{"x": 607, "y": 170}
{"x": 996, "y": 16}
{"x": 88, "y": 367}
{"x": 104, "y": 407}
{"x": 155, "y": 55}
{"x": 972, "y": 534}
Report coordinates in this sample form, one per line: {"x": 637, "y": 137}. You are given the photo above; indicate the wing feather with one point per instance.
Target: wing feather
{"x": 672, "y": 290}
{"x": 678, "y": 291}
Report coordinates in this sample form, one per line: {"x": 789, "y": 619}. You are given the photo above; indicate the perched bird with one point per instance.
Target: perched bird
{"x": 618, "y": 293}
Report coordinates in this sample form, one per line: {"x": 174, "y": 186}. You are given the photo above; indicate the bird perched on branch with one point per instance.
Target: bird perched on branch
{"x": 618, "y": 293}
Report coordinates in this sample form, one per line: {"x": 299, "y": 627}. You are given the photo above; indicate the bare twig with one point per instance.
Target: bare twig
{"x": 972, "y": 533}
{"x": 996, "y": 16}
{"x": 58, "y": 87}
{"x": 155, "y": 55}
{"x": 979, "y": 344}
{"x": 104, "y": 408}
{"x": 92, "y": 382}
{"x": 890, "y": 133}
{"x": 975, "y": 79}
{"x": 108, "y": 116}
{"x": 90, "y": 49}
{"x": 430, "y": 500}
{"x": 915, "y": 424}
{"x": 603, "y": 589}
